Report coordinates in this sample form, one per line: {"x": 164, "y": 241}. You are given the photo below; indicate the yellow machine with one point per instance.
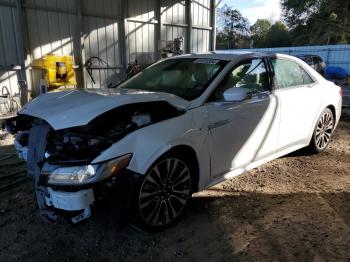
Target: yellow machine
{"x": 58, "y": 70}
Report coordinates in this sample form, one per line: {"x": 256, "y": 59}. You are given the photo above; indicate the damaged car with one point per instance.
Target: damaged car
{"x": 179, "y": 126}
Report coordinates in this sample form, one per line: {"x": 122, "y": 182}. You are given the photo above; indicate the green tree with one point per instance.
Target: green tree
{"x": 298, "y": 12}
{"x": 318, "y": 21}
{"x": 259, "y": 32}
{"x": 234, "y": 29}
{"x": 278, "y": 36}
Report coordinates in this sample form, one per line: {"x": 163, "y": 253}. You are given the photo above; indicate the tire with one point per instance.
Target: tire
{"x": 163, "y": 193}
{"x": 323, "y": 132}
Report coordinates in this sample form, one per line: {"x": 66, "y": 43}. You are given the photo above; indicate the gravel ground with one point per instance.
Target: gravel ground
{"x": 295, "y": 208}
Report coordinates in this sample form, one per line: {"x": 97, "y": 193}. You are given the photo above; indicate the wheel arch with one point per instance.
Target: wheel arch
{"x": 332, "y": 108}
{"x": 190, "y": 154}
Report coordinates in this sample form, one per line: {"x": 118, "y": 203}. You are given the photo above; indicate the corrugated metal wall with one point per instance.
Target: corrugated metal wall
{"x": 48, "y": 31}
{"x": 175, "y": 23}
{"x": 201, "y": 25}
{"x": 9, "y": 57}
{"x": 101, "y": 20}
{"x": 140, "y": 30}
{"x": 173, "y": 17}
{"x": 53, "y": 32}
{"x": 333, "y": 55}
{"x": 117, "y": 31}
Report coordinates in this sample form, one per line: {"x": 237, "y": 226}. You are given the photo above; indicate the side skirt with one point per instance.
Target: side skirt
{"x": 259, "y": 162}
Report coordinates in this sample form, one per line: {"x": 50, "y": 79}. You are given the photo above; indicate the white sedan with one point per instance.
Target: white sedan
{"x": 177, "y": 127}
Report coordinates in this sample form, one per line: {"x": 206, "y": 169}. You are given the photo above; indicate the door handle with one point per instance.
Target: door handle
{"x": 218, "y": 124}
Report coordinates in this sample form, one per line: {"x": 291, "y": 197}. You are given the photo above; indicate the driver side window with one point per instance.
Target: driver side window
{"x": 251, "y": 75}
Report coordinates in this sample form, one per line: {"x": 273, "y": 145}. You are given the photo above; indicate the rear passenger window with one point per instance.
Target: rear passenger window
{"x": 290, "y": 74}
{"x": 307, "y": 78}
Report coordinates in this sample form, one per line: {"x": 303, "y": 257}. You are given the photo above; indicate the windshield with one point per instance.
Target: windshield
{"x": 185, "y": 77}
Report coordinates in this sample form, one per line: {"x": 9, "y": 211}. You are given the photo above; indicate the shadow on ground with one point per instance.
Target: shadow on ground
{"x": 236, "y": 226}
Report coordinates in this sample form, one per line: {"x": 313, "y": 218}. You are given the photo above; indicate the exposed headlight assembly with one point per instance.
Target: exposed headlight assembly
{"x": 87, "y": 174}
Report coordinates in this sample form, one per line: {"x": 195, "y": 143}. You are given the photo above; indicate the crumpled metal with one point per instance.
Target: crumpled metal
{"x": 36, "y": 149}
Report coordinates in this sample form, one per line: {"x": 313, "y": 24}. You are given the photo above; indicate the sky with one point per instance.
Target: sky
{"x": 255, "y": 9}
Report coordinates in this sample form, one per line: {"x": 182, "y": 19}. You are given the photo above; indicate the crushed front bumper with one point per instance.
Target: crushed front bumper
{"x": 74, "y": 196}
{"x": 72, "y": 201}
{"x": 77, "y": 203}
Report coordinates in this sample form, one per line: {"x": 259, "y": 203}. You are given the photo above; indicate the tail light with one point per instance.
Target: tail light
{"x": 340, "y": 92}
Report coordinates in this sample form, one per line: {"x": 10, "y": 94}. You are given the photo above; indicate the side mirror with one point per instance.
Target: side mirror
{"x": 236, "y": 94}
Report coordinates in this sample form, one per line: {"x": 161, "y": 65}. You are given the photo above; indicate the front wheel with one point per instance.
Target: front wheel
{"x": 163, "y": 193}
{"x": 323, "y": 131}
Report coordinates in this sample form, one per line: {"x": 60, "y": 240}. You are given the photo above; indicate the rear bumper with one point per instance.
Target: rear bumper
{"x": 339, "y": 111}
{"x": 346, "y": 97}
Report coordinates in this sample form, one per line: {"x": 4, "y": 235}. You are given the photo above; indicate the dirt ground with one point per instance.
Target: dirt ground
{"x": 296, "y": 208}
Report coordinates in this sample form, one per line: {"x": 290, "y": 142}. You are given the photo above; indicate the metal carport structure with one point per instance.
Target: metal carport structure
{"x": 117, "y": 31}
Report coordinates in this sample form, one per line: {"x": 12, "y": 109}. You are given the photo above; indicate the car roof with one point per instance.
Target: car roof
{"x": 226, "y": 55}
{"x": 307, "y": 55}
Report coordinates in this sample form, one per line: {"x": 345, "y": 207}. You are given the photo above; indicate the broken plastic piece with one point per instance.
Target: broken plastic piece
{"x": 84, "y": 215}
{"x": 36, "y": 144}
{"x": 70, "y": 201}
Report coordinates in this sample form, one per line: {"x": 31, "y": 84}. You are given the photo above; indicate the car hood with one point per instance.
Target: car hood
{"x": 78, "y": 107}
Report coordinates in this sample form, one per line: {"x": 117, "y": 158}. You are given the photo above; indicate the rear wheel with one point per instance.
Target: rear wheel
{"x": 323, "y": 131}
{"x": 163, "y": 193}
